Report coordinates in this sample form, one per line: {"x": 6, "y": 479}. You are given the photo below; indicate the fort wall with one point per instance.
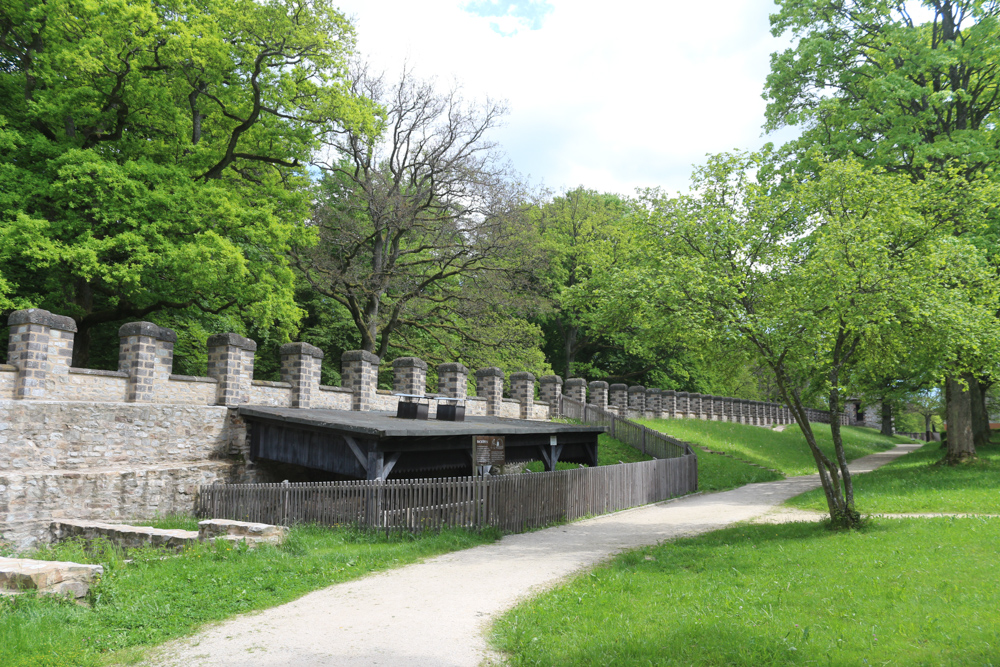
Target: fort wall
{"x": 136, "y": 442}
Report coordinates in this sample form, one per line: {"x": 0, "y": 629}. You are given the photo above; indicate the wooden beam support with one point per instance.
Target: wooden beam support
{"x": 387, "y": 468}
{"x": 357, "y": 451}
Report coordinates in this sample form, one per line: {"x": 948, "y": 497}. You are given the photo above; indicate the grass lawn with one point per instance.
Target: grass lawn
{"x": 155, "y": 598}
{"x": 718, "y": 473}
{"x": 914, "y": 483}
{"x": 785, "y": 451}
{"x": 900, "y": 592}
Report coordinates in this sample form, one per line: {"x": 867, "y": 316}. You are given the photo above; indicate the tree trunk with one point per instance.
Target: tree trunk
{"x": 980, "y": 417}
{"x": 927, "y": 428}
{"x": 570, "y": 347}
{"x": 886, "y": 418}
{"x": 81, "y": 345}
{"x": 848, "y": 512}
{"x": 961, "y": 444}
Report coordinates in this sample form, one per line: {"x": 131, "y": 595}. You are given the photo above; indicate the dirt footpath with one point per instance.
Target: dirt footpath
{"x": 435, "y": 613}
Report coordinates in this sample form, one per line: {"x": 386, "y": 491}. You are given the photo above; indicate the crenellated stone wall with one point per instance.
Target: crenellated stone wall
{"x": 77, "y": 443}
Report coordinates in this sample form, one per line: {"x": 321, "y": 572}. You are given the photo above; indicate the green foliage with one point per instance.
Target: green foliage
{"x": 151, "y": 598}
{"x": 423, "y": 243}
{"x": 865, "y": 79}
{"x": 916, "y": 483}
{"x": 154, "y": 154}
{"x": 906, "y": 592}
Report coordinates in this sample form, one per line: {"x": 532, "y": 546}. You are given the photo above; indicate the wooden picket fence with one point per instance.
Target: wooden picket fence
{"x": 512, "y": 503}
{"x": 648, "y": 441}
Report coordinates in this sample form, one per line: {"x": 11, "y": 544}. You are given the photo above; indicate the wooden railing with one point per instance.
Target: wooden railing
{"x": 648, "y": 441}
{"x": 512, "y": 503}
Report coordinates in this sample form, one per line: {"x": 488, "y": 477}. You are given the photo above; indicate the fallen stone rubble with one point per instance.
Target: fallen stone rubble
{"x": 50, "y": 577}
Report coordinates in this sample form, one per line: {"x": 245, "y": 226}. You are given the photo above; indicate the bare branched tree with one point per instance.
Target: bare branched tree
{"x": 424, "y": 226}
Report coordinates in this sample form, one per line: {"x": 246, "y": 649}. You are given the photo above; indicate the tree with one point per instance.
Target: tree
{"x": 578, "y": 230}
{"x": 864, "y": 79}
{"x": 154, "y": 153}
{"x": 809, "y": 275}
{"x": 928, "y": 404}
{"x": 422, "y": 229}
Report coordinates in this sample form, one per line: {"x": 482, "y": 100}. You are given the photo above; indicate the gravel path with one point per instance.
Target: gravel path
{"x": 435, "y": 613}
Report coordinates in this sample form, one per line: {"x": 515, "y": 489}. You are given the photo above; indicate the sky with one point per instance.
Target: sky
{"x": 611, "y": 97}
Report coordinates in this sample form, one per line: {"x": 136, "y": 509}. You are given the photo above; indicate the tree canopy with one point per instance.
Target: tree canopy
{"x": 422, "y": 227}
{"x": 154, "y": 153}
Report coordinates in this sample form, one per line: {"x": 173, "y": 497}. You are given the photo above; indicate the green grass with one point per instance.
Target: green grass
{"x": 718, "y": 473}
{"x": 900, "y": 592}
{"x": 785, "y": 451}
{"x": 155, "y": 598}
{"x": 914, "y": 483}
{"x": 609, "y": 452}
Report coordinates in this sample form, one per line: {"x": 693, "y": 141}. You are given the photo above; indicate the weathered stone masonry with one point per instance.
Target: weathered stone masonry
{"x": 79, "y": 443}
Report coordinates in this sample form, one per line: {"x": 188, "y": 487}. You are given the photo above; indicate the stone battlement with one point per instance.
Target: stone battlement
{"x": 41, "y": 347}
{"x": 92, "y": 445}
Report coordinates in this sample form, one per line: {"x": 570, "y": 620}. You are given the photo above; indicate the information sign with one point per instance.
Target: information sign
{"x": 489, "y": 450}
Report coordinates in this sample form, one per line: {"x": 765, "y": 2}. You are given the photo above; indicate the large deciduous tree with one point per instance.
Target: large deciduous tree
{"x": 869, "y": 79}
{"x": 153, "y": 152}
{"x": 423, "y": 229}
{"x": 810, "y": 275}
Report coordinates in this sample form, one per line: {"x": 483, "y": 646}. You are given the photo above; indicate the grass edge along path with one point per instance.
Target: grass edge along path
{"x": 155, "y": 597}
{"x": 916, "y": 484}
{"x": 899, "y": 592}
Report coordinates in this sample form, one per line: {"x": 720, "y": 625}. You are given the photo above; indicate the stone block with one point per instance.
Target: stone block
{"x": 252, "y": 533}
{"x": 123, "y": 535}
{"x": 49, "y": 577}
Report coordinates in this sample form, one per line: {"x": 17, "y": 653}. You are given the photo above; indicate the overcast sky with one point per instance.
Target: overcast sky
{"x": 608, "y": 96}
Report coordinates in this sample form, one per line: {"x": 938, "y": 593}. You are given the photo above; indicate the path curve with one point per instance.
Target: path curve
{"x": 435, "y": 613}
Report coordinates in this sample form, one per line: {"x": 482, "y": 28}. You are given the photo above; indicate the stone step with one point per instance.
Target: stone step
{"x": 130, "y": 537}
{"x": 125, "y": 536}
{"x": 242, "y": 531}
{"x": 50, "y": 577}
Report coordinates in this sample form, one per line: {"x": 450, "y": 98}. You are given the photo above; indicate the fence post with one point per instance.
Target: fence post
{"x": 644, "y": 440}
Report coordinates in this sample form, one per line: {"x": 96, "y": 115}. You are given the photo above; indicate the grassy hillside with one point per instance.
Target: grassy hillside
{"x": 915, "y": 483}
{"x": 785, "y": 451}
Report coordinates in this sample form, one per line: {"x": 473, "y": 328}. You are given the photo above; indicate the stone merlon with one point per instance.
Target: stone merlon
{"x": 351, "y": 355}
{"x": 39, "y": 316}
{"x": 148, "y": 329}
{"x": 234, "y": 340}
{"x": 410, "y": 362}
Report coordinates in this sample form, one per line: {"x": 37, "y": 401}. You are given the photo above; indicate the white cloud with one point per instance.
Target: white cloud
{"x": 612, "y": 97}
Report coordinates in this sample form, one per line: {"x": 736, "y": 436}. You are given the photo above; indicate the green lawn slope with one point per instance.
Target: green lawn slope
{"x": 785, "y": 451}
{"x": 916, "y": 483}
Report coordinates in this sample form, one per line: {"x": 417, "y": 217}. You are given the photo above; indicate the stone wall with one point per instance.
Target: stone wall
{"x": 110, "y": 445}
{"x": 105, "y": 460}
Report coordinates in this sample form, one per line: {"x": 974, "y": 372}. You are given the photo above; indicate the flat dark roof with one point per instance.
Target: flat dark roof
{"x": 386, "y": 425}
